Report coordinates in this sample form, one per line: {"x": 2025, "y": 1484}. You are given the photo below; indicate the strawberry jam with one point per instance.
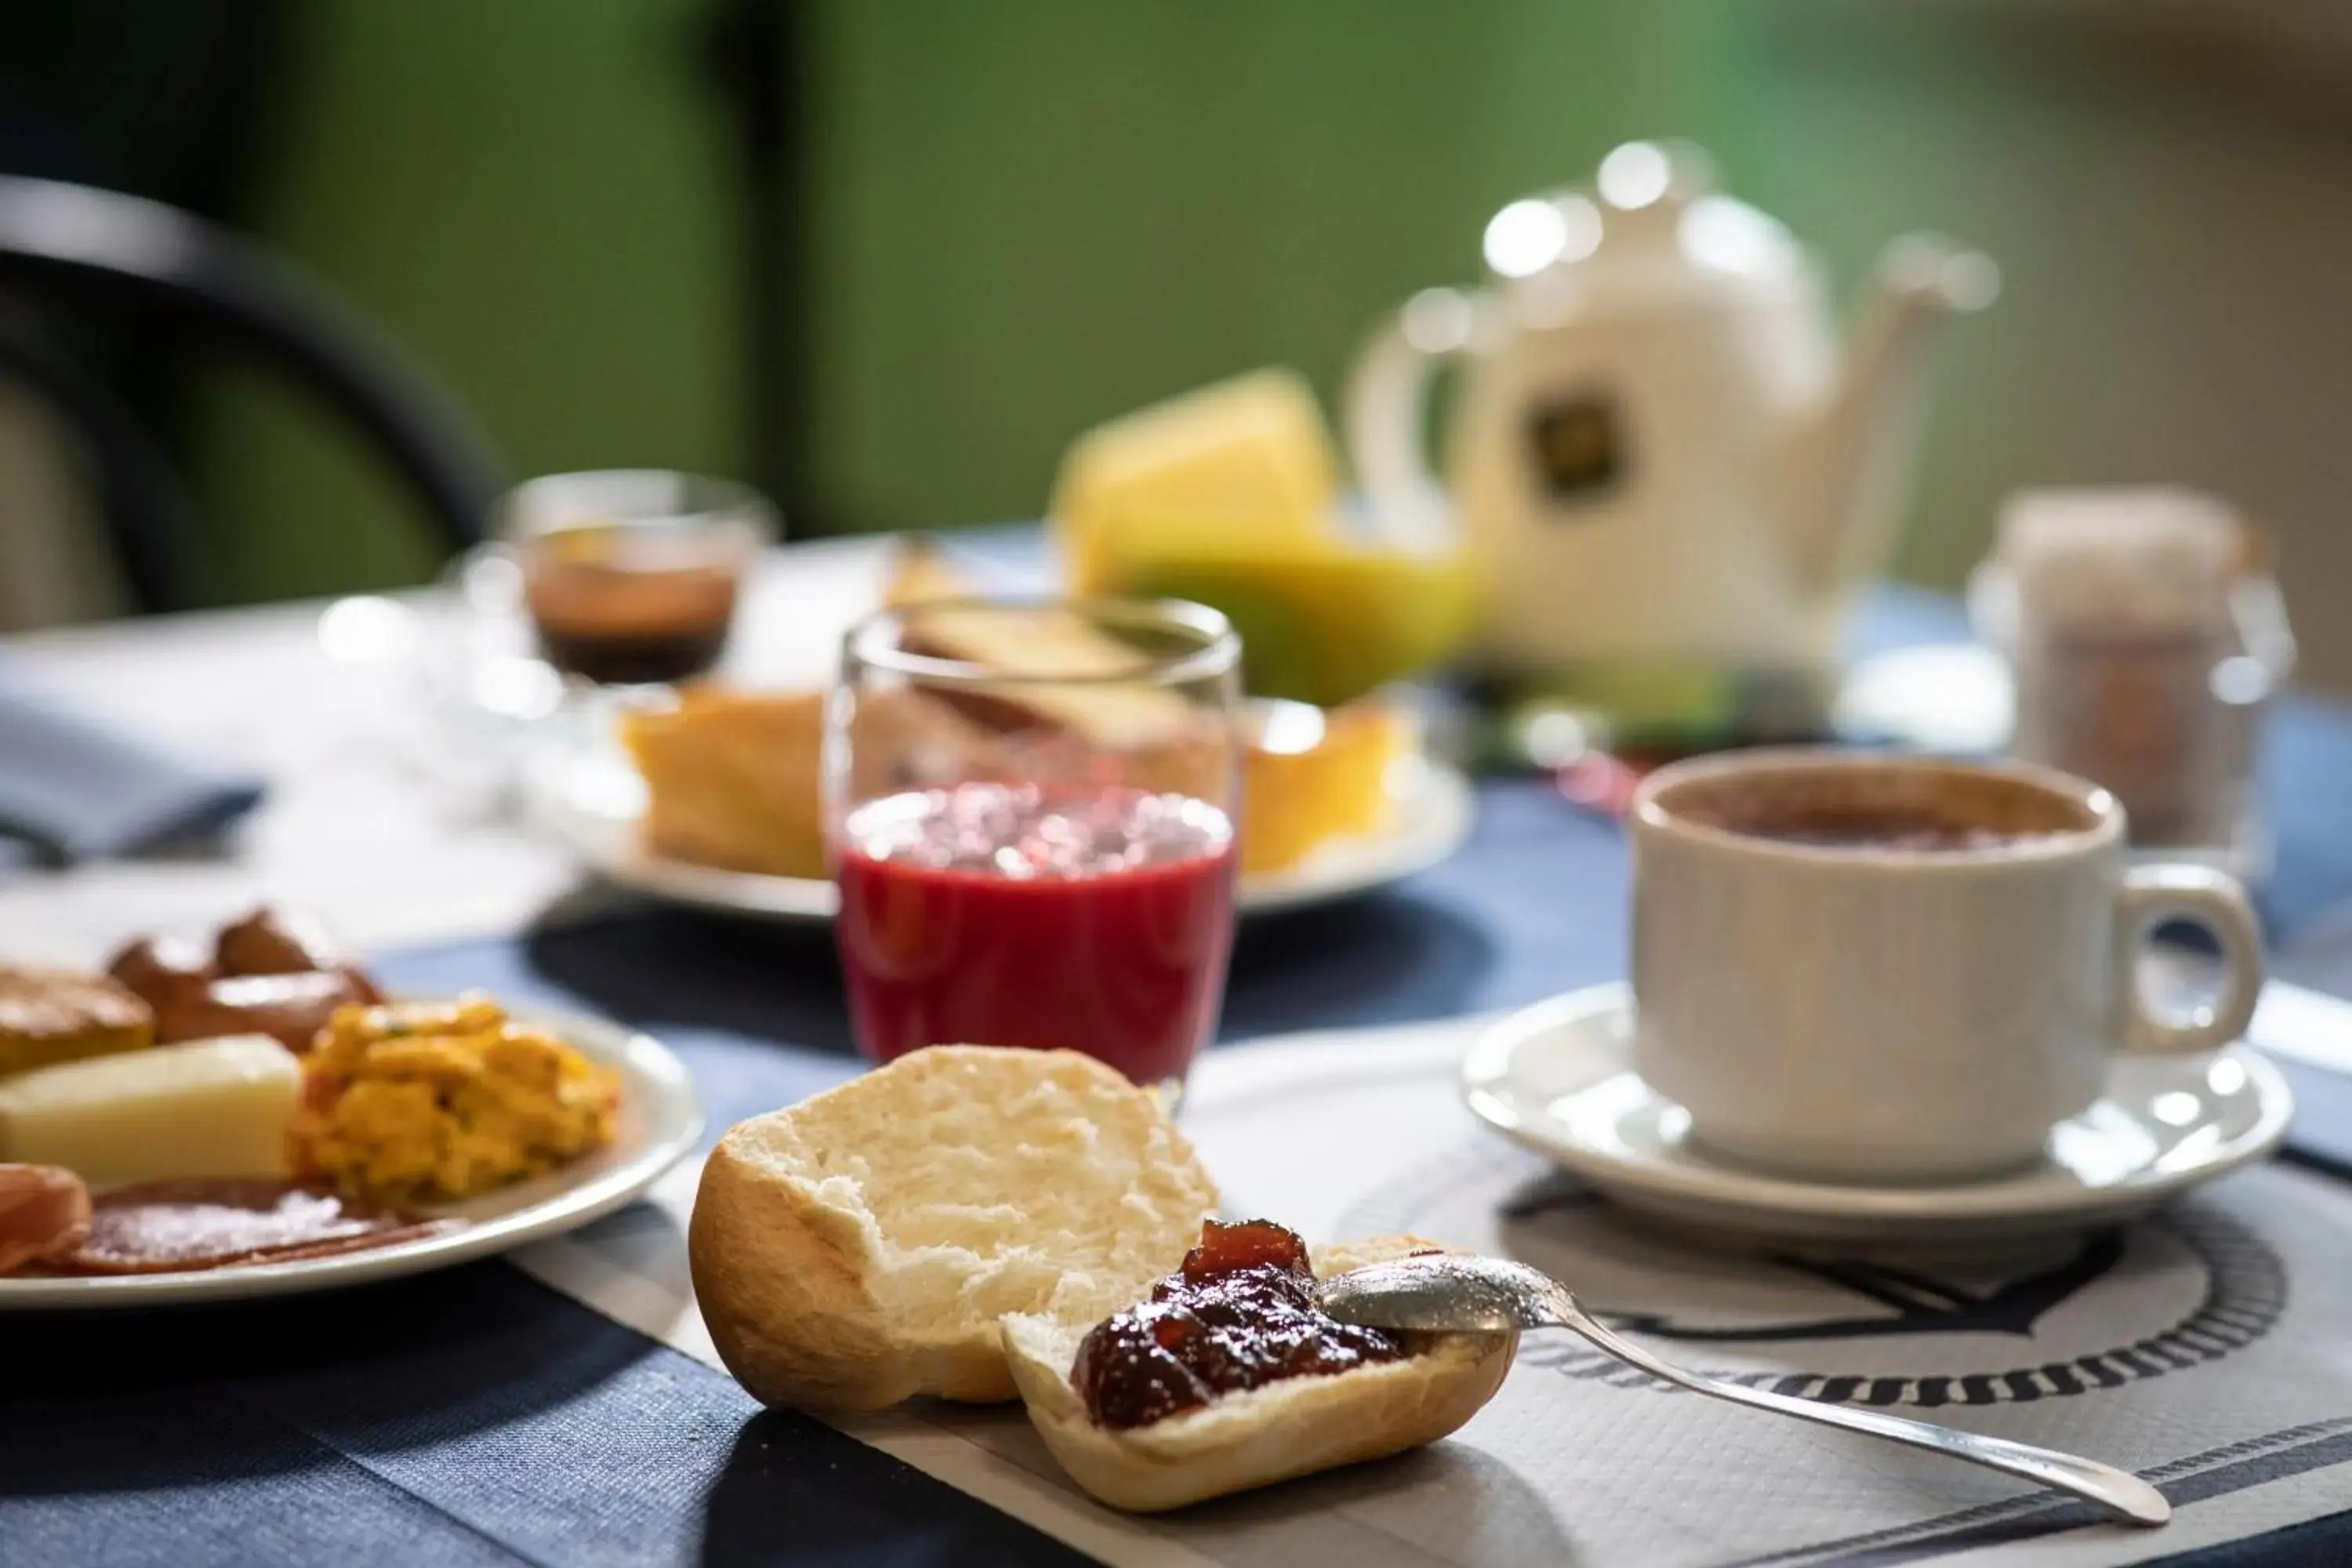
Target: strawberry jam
{"x": 1240, "y": 1313}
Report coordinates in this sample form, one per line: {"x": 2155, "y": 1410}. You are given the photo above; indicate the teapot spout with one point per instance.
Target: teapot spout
{"x": 1846, "y": 457}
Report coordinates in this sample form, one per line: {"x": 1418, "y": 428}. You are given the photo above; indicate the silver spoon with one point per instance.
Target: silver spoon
{"x": 1489, "y": 1295}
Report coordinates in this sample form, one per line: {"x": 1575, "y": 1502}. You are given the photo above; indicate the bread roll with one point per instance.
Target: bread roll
{"x": 49, "y": 1015}
{"x": 1292, "y": 1427}
{"x": 857, "y": 1249}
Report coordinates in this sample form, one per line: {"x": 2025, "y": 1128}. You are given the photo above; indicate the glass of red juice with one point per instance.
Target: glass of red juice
{"x": 1032, "y": 808}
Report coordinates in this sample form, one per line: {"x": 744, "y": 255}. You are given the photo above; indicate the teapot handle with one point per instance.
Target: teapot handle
{"x": 1386, "y": 389}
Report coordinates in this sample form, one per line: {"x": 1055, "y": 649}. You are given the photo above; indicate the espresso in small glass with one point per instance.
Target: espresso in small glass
{"x": 611, "y": 609}
{"x": 631, "y": 577}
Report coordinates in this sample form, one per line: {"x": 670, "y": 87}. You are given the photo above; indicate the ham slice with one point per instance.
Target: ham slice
{"x": 43, "y": 1210}
{"x": 162, "y": 1228}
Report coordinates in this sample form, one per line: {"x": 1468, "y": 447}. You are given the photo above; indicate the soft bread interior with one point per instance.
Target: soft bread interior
{"x": 981, "y": 1193}
{"x": 857, "y": 1249}
{"x": 1252, "y": 1438}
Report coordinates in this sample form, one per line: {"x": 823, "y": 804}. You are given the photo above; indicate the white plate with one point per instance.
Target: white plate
{"x": 1555, "y": 1078}
{"x": 590, "y": 798}
{"x": 661, "y": 1119}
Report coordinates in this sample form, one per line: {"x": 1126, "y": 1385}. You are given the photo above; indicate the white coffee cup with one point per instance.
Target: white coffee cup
{"x": 1827, "y": 999}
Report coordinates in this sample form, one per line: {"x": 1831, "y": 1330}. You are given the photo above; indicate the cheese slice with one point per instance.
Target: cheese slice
{"x": 207, "y": 1108}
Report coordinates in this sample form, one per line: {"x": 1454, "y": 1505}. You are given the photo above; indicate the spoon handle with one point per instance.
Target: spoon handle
{"x": 2119, "y": 1492}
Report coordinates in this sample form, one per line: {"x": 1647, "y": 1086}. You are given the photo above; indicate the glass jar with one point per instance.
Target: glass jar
{"x": 2145, "y": 640}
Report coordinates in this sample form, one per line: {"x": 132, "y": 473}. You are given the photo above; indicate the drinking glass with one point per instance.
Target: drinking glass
{"x": 1032, "y": 813}
{"x": 630, "y": 576}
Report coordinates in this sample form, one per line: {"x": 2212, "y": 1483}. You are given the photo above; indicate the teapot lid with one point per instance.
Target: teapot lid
{"x": 1653, "y": 230}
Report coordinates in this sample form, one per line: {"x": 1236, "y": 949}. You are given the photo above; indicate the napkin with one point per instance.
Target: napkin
{"x": 72, "y": 788}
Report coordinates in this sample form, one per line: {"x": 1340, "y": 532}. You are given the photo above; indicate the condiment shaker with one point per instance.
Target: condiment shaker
{"x": 2146, "y": 639}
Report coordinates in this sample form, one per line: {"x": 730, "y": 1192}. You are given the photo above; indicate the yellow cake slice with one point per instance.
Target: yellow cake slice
{"x": 731, "y": 779}
{"x": 1313, "y": 774}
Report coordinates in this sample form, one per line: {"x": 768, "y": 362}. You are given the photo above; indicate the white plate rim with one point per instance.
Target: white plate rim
{"x": 652, "y": 1075}
{"x": 1487, "y": 1065}
{"x": 1437, "y": 805}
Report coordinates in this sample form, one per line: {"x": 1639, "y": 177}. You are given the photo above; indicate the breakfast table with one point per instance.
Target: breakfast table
{"x": 560, "y": 1406}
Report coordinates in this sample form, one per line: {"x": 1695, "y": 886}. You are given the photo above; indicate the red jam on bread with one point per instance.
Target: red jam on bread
{"x": 1239, "y": 1314}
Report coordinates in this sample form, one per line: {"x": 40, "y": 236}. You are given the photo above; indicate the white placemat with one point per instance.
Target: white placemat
{"x": 2205, "y": 1348}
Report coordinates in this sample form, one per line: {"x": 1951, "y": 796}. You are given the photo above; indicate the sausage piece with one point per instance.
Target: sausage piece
{"x": 272, "y": 941}
{"x": 290, "y": 1008}
{"x": 155, "y": 969}
{"x": 270, "y": 974}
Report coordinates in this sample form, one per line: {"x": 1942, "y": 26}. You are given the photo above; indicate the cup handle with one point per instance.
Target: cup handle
{"x": 1387, "y": 388}
{"x": 2213, "y": 899}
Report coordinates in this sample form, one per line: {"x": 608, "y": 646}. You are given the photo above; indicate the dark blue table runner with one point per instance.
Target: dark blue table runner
{"x": 475, "y": 1418}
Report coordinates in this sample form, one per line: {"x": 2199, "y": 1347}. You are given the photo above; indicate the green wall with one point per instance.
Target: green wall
{"x": 534, "y": 199}
{"x": 1038, "y": 215}
{"x": 1023, "y": 216}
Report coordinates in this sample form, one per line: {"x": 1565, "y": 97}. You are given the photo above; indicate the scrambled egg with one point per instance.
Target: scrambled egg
{"x": 431, "y": 1103}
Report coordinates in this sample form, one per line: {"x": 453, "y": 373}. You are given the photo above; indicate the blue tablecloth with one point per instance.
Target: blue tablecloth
{"x": 475, "y": 1417}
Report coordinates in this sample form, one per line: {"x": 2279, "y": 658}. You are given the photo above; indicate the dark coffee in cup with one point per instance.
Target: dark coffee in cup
{"x": 1912, "y": 834}
{"x": 1899, "y": 811}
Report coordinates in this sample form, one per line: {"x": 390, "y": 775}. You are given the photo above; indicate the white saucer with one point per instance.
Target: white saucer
{"x": 588, "y": 797}
{"x": 1555, "y": 1078}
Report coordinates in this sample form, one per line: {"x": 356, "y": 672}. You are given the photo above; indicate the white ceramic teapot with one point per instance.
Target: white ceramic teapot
{"x": 1656, "y": 452}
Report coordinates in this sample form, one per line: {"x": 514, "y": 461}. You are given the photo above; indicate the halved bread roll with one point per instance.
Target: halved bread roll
{"x": 1259, "y": 1436}
{"x": 953, "y": 1223}
{"x": 856, "y": 1250}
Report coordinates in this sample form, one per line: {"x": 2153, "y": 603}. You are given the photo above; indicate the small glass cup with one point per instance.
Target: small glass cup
{"x": 630, "y": 577}
{"x": 1032, "y": 811}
